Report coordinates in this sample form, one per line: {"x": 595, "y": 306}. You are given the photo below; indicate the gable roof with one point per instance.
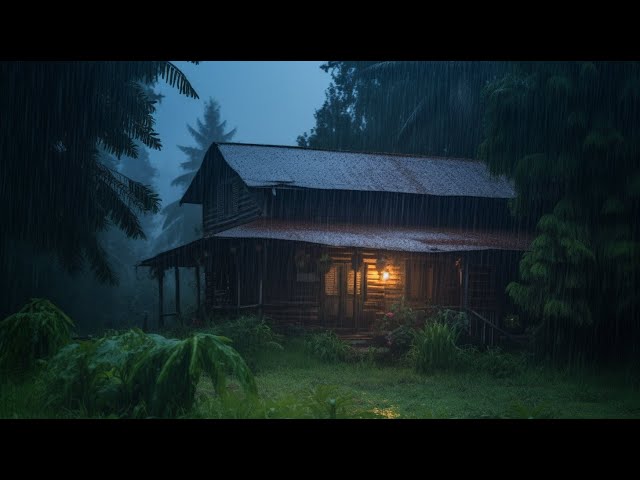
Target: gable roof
{"x": 267, "y": 166}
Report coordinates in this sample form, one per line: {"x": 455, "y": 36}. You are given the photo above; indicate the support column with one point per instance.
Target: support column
{"x": 262, "y": 262}
{"x": 465, "y": 282}
{"x": 198, "y": 291}
{"x": 161, "y": 299}
{"x": 237, "y": 287}
{"x": 177, "y": 273}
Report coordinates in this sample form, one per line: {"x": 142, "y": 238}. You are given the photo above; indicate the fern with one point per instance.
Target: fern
{"x": 135, "y": 374}
{"x": 327, "y": 347}
{"x": 34, "y": 333}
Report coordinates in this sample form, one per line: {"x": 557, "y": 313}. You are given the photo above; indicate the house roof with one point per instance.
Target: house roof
{"x": 375, "y": 237}
{"x": 263, "y": 166}
{"x": 425, "y": 240}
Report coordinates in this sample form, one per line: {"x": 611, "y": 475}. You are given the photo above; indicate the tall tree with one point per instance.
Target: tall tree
{"x": 183, "y": 224}
{"x": 410, "y": 107}
{"x": 568, "y": 133}
{"x": 55, "y": 118}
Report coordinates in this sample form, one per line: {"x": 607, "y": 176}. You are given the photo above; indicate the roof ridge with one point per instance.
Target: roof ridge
{"x": 357, "y": 152}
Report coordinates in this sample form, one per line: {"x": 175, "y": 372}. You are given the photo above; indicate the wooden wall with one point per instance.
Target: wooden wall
{"x": 294, "y": 291}
{"x": 227, "y": 201}
{"x": 384, "y": 208}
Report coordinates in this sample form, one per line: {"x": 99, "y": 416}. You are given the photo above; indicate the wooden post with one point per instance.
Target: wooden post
{"x": 198, "y": 291}
{"x": 262, "y": 266}
{"x": 161, "y": 299}
{"x": 465, "y": 283}
{"x": 355, "y": 297}
{"x": 237, "y": 261}
{"x": 238, "y": 289}
{"x": 177, "y": 273}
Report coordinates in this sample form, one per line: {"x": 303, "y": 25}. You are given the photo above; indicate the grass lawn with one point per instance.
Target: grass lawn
{"x": 399, "y": 392}
{"x": 288, "y": 377}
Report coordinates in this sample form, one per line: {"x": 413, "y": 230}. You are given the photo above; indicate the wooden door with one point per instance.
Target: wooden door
{"x": 343, "y": 291}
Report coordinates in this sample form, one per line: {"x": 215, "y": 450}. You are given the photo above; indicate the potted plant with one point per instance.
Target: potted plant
{"x": 324, "y": 263}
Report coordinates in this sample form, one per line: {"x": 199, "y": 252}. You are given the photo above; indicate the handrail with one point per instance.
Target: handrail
{"x": 511, "y": 336}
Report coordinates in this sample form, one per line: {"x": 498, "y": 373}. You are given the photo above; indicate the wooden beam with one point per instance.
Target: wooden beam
{"x": 161, "y": 299}
{"x": 177, "y": 273}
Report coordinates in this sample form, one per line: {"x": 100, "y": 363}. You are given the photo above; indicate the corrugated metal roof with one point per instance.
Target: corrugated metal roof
{"x": 268, "y": 165}
{"x": 273, "y": 165}
{"x": 380, "y": 238}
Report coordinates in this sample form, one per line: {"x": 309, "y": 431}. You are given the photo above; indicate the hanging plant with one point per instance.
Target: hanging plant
{"x": 381, "y": 262}
{"x": 324, "y": 263}
{"x": 302, "y": 260}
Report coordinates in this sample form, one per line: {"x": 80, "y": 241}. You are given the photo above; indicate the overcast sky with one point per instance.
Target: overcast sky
{"x": 268, "y": 102}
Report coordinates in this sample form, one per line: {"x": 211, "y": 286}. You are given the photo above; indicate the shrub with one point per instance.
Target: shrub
{"x": 137, "y": 374}
{"x": 497, "y": 363}
{"x": 435, "y": 348}
{"x": 34, "y": 333}
{"x": 458, "y": 321}
{"x": 401, "y": 314}
{"x": 249, "y": 334}
{"x": 327, "y": 347}
{"x": 400, "y": 340}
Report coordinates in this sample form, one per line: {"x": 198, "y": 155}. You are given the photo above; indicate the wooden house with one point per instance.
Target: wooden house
{"x": 332, "y": 239}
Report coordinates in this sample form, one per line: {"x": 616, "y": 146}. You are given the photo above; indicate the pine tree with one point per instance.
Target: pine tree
{"x": 183, "y": 224}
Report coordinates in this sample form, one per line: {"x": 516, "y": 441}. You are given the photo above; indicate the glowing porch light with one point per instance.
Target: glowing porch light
{"x": 385, "y": 275}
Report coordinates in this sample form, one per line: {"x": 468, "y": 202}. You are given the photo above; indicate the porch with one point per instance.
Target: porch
{"x": 306, "y": 281}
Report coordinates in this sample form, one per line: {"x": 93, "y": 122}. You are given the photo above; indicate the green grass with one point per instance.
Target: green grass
{"x": 396, "y": 392}
{"x": 292, "y": 384}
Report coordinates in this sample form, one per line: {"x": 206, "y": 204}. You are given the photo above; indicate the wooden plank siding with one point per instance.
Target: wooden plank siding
{"x": 227, "y": 202}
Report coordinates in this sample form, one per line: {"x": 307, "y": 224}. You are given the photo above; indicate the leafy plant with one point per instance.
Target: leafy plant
{"x": 458, "y": 321}
{"x": 135, "y": 374}
{"x": 435, "y": 347}
{"x": 400, "y": 314}
{"x": 498, "y": 363}
{"x": 34, "y": 333}
{"x": 324, "y": 263}
{"x": 249, "y": 334}
{"x": 327, "y": 347}
{"x": 400, "y": 340}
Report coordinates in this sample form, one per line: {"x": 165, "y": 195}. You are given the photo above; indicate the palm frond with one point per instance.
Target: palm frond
{"x": 175, "y": 78}
{"x": 133, "y": 194}
{"x": 100, "y": 266}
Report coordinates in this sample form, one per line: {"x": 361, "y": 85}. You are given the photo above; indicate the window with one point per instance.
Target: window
{"x": 331, "y": 281}
{"x": 336, "y": 274}
{"x": 419, "y": 280}
{"x": 350, "y": 282}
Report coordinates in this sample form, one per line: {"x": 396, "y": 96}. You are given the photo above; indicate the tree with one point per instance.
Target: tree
{"x": 568, "y": 134}
{"x": 409, "y": 107}
{"x": 182, "y": 224}
{"x": 56, "y": 117}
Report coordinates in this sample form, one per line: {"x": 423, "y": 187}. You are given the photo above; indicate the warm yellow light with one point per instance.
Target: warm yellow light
{"x": 385, "y": 275}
